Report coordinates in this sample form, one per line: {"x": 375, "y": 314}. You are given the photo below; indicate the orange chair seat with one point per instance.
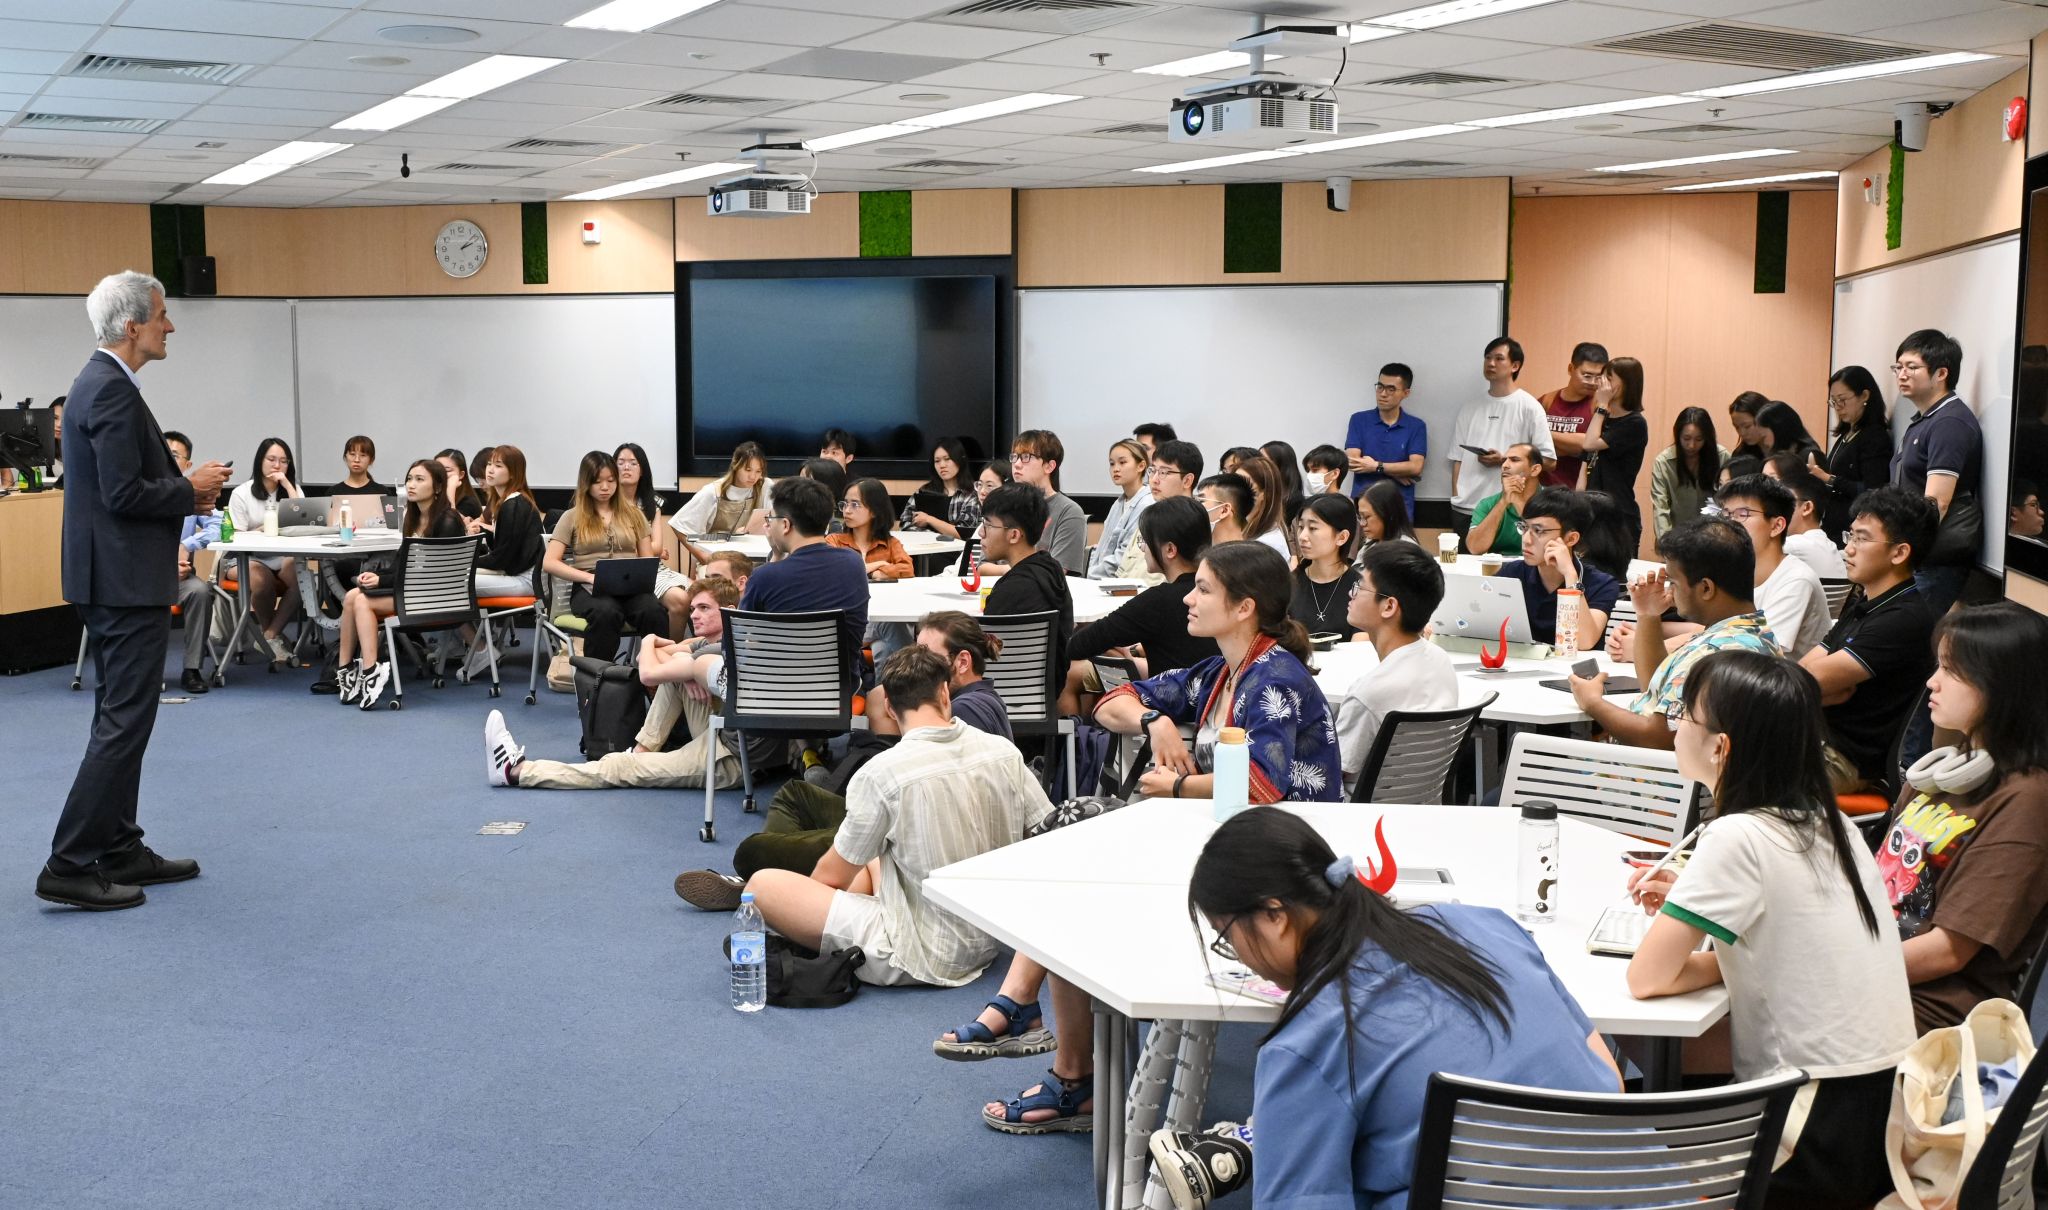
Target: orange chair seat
{"x": 1862, "y": 804}
{"x": 231, "y": 584}
{"x": 505, "y": 602}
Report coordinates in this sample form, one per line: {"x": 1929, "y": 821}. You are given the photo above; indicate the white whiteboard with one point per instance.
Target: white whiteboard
{"x": 555, "y": 375}
{"x": 1973, "y": 295}
{"x": 1242, "y": 365}
{"x": 227, "y": 382}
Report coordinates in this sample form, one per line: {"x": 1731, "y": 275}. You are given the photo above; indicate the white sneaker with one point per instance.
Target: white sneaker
{"x": 350, "y": 677}
{"x": 280, "y": 651}
{"x": 478, "y": 664}
{"x": 501, "y": 755}
{"x": 371, "y": 685}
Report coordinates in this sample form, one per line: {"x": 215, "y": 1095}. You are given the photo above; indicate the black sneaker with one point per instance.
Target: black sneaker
{"x": 710, "y": 890}
{"x": 1199, "y": 1168}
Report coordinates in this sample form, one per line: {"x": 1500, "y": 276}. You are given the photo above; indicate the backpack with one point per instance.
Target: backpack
{"x": 610, "y": 703}
{"x": 803, "y": 978}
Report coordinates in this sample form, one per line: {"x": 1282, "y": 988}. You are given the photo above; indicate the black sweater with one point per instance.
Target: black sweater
{"x": 1035, "y": 585}
{"x": 515, "y": 549}
{"x": 1156, "y": 617}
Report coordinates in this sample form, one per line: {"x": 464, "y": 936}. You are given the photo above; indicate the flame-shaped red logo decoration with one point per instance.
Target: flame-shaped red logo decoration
{"x": 1382, "y": 878}
{"x": 1489, "y": 659}
{"x": 973, "y": 585}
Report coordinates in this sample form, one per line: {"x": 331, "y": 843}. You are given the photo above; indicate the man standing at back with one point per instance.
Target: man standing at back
{"x": 1506, "y": 415}
{"x": 1569, "y": 410}
{"x": 1941, "y": 456}
{"x": 1387, "y": 443}
{"x": 123, "y": 504}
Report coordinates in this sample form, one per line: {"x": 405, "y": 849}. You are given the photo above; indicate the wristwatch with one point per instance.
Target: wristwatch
{"x": 1146, "y": 719}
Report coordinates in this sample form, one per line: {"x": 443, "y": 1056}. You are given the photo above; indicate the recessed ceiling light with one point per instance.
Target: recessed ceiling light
{"x": 428, "y": 34}
{"x": 396, "y": 112}
{"x": 635, "y": 16}
{"x": 1838, "y": 75}
{"x": 925, "y": 96}
{"x": 379, "y": 60}
{"x": 645, "y": 183}
{"x": 1578, "y": 111}
{"x": 1200, "y": 65}
{"x": 1436, "y": 16}
{"x": 1756, "y": 180}
{"x": 1723, "y": 157}
{"x": 943, "y": 118}
{"x": 439, "y": 93}
{"x": 274, "y": 161}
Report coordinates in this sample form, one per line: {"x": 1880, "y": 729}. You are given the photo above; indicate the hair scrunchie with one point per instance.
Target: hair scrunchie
{"x": 1339, "y": 870}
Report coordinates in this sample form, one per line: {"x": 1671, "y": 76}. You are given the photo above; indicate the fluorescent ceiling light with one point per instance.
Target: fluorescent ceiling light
{"x": 1221, "y": 161}
{"x": 1838, "y": 75}
{"x": 1200, "y": 65}
{"x": 634, "y": 16}
{"x": 395, "y": 113}
{"x": 866, "y": 134}
{"x": 1434, "y": 16}
{"x": 1756, "y": 180}
{"x": 1372, "y": 33}
{"x": 1579, "y": 111}
{"x": 274, "y": 161}
{"x": 1647, "y": 165}
{"x": 1374, "y": 140}
{"x": 483, "y": 76}
{"x": 989, "y": 109}
{"x": 655, "y": 182}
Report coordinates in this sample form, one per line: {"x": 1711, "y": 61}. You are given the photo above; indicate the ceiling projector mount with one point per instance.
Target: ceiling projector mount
{"x": 763, "y": 192}
{"x": 1264, "y": 108}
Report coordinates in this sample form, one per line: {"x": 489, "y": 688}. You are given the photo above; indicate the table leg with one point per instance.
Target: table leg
{"x": 242, "y": 602}
{"x": 1148, "y": 1096}
{"x": 1663, "y": 1064}
{"x": 1111, "y": 1091}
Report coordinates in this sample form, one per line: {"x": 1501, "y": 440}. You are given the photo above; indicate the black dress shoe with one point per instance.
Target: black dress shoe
{"x": 140, "y": 866}
{"x": 193, "y": 681}
{"x": 89, "y": 890}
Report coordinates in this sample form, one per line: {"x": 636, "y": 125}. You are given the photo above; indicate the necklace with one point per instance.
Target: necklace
{"x": 1322, "y": 606}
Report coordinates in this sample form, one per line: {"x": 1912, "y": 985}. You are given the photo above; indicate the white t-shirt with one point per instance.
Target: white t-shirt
{"x": 1278, "y": 541}
{"x": 1795, "y": 605}
{"x": 1495, "y": 423}
{"x": 1808, "y": 986}
{"x": 1418, "y": 676}
{"x": 1818, "y": 551}
{"x": 695, "y": 516}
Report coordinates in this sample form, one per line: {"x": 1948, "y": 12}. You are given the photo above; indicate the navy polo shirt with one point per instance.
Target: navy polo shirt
{"x": 814, "y": 577}
{"x": 1601, "y": 592}
{"x": 1945, "y": 438}
{"x": 1383, "y": 442}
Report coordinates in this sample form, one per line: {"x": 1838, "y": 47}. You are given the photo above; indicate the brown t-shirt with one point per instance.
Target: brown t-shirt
{"x": 618, "y": 543}
{"x": 1978, "y": 867}
{"x": 1565, "y": 416}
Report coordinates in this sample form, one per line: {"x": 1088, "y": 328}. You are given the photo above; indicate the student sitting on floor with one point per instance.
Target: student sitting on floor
{"x": 1400, "y": 588}
{"x": 1173, "y": 534}
{"x": 374, "y": 598}
{"x": 646, "y": 766}
{"x": 1553, "y": 523}
{"x": 1791, "y": 899}
{"x": 1378, "y": 1001}
{"x": 946, "y": 792}
{"x": 1965, "y": 856}
{"x": 1709, "y": 566}
{"x": 804, "y": 816}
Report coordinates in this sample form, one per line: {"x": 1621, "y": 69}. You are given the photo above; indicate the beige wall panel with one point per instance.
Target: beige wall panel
{"x": 832, "y": 228}
{"x": 343, "y": 252}
{"x": 1963, "y": 145}
{"x": 2037, "y": 92}
{"x": 961, "y": 222}
{"x": 2026, "y": 590}
{"x": 1124, "y": 236}
{"x": 1450, "y": 230}
{"x": 636, "y": 257}
{"x": 67, "y": 247}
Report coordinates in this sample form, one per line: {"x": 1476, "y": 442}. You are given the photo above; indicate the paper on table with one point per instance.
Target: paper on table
{"x": 1244, "y": 983}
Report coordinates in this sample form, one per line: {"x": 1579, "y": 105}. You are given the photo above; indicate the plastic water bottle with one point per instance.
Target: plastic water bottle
{"x": 270, "y": 517}
{"x": 1233, "y": 773}
{"x": 348, "y": 523}
{"x": 227, "y": 523}
{"x": 749, "y": 945}
{"x": 1536, "y": 866}
{"x": 1570, "y": 610}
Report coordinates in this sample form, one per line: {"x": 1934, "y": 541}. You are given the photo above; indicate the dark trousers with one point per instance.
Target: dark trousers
{"x": 802, "y": 820}
{"x": 606, "y": 618}
{"x": 128, "y": 647}
{"x": 1461, "y": 524}
{"x": 1839, "y": 1160}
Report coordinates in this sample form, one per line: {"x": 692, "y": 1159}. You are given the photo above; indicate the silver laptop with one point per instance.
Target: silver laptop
{"x": 366, "y": 512}
{"x": 1474, "y": 607}
{"x": 302, "y": 517}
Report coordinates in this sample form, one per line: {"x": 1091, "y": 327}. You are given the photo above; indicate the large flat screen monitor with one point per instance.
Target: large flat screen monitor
{"x": 901, "y": 359}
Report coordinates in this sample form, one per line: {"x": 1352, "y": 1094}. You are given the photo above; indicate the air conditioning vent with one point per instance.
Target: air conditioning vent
{"x": 98, "y": 125}
{"x": 1046, "y": 16}
{"x": 1129, "y": 130}
{"x": 1435, "y": 79}
{"x": 942, "y": 167}
{"x": 1757, "y": 46}
{"x": 461, "y": 166}
{"x": 1414, "y": 164}
{"x": 705, "y": 102}
{"x": 50, "y": 161}
{"x": 575, "y": 146}
{"x": 1698, "y": 130}
{"x": 181, "y": 71}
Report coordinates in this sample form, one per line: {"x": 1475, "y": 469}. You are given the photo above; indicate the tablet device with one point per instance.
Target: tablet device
{"x": 1480, "y": 450}
{"x": 1615, "y": 684}
{"x": 624, "y": 577}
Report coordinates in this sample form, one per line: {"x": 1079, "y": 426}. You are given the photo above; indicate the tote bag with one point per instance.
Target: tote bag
{"x": 1928, "y": 1159}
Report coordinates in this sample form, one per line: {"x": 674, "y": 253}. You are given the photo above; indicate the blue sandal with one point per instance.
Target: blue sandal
{"x": 975, "y": 1041}
{"x": 1065, "y": 1103}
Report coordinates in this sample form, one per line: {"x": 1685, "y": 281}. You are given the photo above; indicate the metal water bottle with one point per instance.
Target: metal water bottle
{"x": 1536, "y": 864}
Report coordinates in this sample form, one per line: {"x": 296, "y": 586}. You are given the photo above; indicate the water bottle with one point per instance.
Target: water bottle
{"x": 227, "y": 523}
{"x": 348, "y": 523}
{"x": 1536, "y": 863}
{"x": 1570, "y": 608}
{"x": 270, "y": 517}
{"x": 1233, "y": 773}
{"x": 749, "y": 946}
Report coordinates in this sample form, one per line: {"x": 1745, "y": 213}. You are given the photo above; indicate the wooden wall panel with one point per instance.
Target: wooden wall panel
{"x": 961, "y": 222}
{"x": 831, "y": 229}
{"x": 1449, "y": 230}
{"x": 1963, "y": 188}
{"x": 361, "y": 251}
{"x": 67, "y": 247}
{"x": 636, "y": 257}
{"x": 2037, "y": 94}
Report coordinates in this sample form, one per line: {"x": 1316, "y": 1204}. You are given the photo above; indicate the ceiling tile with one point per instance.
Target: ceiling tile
{"x": 37, "y": 61}
{"x": 492, "y": 36}
{"x": 44, "y": 35}
{"x": 1009, "y": 78}
{"x": 209, "y": 48}
{"x": 543, "y": 12}
{"x": 661, "y": 50}
{"x": 264, "y": 20}
{"x": 791, "y": 27}
{"x": 127, "y": 90}
{"x": 949, "y": 41}
{"x": 2005, "y": 23}
{"x": 895, "y": 10}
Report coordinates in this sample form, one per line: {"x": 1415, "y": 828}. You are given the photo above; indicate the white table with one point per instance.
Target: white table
{"x": 920, "y": 545}
{"x": 909, "y": 600}
{"x": 1114, "y": 923}
{"x": 305, "y": 550}
{"x": 1523, "y": 698}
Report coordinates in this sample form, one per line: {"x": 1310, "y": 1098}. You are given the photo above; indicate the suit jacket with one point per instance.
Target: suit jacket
{"x": 123, "y": 497}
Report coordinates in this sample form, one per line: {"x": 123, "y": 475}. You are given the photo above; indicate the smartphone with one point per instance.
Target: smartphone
{"x": 1641, "y": 857}
{"x": 1586, "y": 668}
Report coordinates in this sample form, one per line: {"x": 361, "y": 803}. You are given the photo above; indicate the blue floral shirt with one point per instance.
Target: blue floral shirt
{"x": 1287, "y": 722}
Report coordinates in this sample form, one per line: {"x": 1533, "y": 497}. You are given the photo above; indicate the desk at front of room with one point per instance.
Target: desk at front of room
{"x": 37, "y": 629}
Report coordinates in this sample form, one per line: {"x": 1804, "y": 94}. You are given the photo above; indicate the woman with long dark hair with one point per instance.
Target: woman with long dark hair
{"x": 1742, "y": 412}
{"x": 1963, "y": 857}
{"x": 511, "y": 526}
{"x": 363, "y": 609}
{"x": 1685, "y": 475}
{"x": 1383, "y": 517}
{"x": 866, "y": 511}
{"x": 1616, "y": 440}
{"x": 1266, "y": 522}
{"x": 946, "y": 504}
{"x": 1860, "y": 455}
{"x": 1288, "y": 464}
{"x": 273, "y": 579}
{"x": 599, "y": 526}
{"x": 1779, "y": 430}
{"x": 1323, "y": 576}
{"x": 1378, "y": 1000}
{"x": 636, "y": 482}
{"x": 1790, "y": 898}
{"x": 462, "y": 495}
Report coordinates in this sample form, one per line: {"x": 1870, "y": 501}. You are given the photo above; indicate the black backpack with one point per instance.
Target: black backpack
{"x": 803, "y": 978}
{"x": 610, "y": 703}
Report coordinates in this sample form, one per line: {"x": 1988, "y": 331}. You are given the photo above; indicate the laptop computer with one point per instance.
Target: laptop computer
{"x": 624, "y": 577}
{"x": 302, "y": 513}
{"x": 1474, "y": 607}
{"x": 366, "y": 512}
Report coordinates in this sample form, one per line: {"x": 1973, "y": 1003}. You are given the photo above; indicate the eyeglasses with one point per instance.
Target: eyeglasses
{"x": 776, "y": 517}
{"x": 1863, "y": 537}
{"x": 1020, "y": 459}
{"x": 989, "y": 525}
{"x": 1907, "y": 367}
{"x": 1360, "y": 590}
{"x": 1162, "y": 471}
{"x": 1385, "y": 388}
{"x": 1526, "y": 528}
{"x": 1221, "y": 947}
{"x": 847, "y": 506}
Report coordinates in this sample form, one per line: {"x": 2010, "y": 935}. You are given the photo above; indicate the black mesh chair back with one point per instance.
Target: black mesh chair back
{"x": 2002, "y": 1175}
{"x": 788, "y": 672}
{"x": 1411, "y": 757}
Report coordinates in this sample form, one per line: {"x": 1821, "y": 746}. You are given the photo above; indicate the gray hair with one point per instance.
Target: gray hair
{"x": 119, "y": 298}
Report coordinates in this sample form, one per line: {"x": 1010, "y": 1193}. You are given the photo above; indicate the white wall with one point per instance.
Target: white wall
{"x": 1973, "y": 295}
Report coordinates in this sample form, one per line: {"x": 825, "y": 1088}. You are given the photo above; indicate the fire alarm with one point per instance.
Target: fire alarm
{"x": 590, "y": 233}
{"x": 2015, "y": 119}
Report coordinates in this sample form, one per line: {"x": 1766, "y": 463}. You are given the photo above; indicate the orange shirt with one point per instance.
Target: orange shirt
{"x": 888, "y": 551}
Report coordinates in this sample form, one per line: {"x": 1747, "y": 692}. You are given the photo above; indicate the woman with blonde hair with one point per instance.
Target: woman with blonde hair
{"x": 599, "y": 526}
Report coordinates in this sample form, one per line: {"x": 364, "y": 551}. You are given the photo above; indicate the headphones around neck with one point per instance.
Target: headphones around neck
{"x": 1950, "y": 770}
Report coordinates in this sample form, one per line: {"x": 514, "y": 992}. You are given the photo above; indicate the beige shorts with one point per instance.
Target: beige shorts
{"x": 857, "y": 920}
{"x": 665, "y": 578}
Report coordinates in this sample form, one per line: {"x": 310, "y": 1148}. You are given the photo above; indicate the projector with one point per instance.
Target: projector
{"x": 1249, "y": 120}
{"x": 760, "y": 195}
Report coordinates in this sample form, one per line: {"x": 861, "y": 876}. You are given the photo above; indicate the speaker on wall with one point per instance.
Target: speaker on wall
{"x": 200, "y": 281}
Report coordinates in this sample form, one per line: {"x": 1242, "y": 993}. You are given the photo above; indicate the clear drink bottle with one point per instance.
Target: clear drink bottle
{"x": 749, "y": 946}
{"x": 1536, "y": 866}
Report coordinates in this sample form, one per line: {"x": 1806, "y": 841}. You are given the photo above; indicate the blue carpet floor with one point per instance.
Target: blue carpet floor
{"x": 362, "y": 1002}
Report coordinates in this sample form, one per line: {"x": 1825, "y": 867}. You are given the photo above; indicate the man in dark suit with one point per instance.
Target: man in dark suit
{"x": 123, "y": 504}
